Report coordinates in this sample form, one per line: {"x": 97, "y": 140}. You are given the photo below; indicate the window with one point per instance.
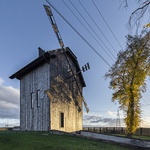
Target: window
{"x": 32, "y": 102}
{"x": 38, "y": 98}
{"x": 62, "y": 120}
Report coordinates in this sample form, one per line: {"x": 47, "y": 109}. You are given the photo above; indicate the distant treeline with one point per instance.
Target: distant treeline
{"x": 16, "y": 128}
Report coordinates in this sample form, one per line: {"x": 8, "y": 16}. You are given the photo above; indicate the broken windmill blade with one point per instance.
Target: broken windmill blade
{"x": 84, "y": 102}
{"x": 85, "y": 105}
{"x": 86, "y": 67}
{"x": 54, "y": 25}
{"x": 55, "y": 28}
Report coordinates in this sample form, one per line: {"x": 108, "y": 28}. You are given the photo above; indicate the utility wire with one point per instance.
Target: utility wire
{"x": 107, "y": 24}
{"x": 145, "y": 105}
{"x": 78, "y": 33}
{"x": 101, "y": 110}
{"x": 52, "y": 21}
{"x": 148, "y": 89}
{"x": 91, "y": 28}
{"x": 97, "y": 26}
{"x": 145, "y": 101}
{"x": 87, "y": 30}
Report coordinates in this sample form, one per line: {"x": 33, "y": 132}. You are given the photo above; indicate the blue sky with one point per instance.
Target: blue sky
{"x": 24, "y": 27}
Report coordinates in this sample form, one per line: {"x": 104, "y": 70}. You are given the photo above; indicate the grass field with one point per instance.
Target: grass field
{"x": 136, "y": 136}
{"x": 47, "y": 141}
{"x": 142, "y": 137}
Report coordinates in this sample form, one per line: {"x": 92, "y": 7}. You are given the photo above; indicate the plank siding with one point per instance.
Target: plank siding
{"x": 46, "y": 115}
{"x": 72, "y": 117}
{"x": 36, "y": 118}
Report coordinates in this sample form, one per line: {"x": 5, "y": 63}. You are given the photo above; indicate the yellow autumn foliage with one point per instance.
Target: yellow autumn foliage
{"x": 128, "y": 78}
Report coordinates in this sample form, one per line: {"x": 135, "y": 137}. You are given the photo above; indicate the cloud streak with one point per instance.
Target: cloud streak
{"x": 9, "y": 101}
{"x": 98, "y": 120}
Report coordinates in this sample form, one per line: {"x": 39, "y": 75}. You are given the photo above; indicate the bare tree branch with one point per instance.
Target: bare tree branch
{"x": 137, "y": 14}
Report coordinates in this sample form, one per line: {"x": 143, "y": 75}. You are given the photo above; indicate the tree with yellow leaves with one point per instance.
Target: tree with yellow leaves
{"x": 128, "y": 78}
{"x": 147, "y": 25}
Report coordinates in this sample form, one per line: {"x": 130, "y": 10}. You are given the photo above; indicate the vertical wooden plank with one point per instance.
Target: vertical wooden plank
{"x": 34, "y": 118}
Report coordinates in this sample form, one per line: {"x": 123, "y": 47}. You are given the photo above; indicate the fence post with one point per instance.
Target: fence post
{"x": 122, "y": 131}
{"x": 114, "y": 131}
{"x": 140, "y": 131}
{"x": 94, "y": 129}
{"x": 100, "y": 130}
{"x": 106, "y": 130}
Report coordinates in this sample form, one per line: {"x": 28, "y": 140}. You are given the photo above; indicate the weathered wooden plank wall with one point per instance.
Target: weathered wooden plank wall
{"x": 35, "y": 118}
{"x": 73, "y": 117}
{"x": 47, "y": 115}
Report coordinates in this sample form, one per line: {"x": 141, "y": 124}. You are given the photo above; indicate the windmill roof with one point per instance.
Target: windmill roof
{"x": 44, "y": 59}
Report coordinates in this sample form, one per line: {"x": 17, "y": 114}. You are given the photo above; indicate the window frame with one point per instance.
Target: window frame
{"x": 62, "y": 120}
{"x": 32, "y": 100}
{"x": 38, "y": 98}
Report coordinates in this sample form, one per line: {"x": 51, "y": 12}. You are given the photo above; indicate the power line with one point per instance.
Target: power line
{"x": 107, "y": 24}
{"x": 91, "y": 28}
{"x": 54, "y": 25}
{"x": 103, "y": 110}
{"x": 145, "y": 105}
{"x": 78, "y": 33}
{"x": 87, "y": 30}
{"x": 144, "y": 100}
{"x": 97, "y": 26}
{"x": 148, "y": 89}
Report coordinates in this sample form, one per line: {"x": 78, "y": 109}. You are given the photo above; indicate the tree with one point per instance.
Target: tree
{"x": 128, "y": 78}
{"x": 138, "y": 13}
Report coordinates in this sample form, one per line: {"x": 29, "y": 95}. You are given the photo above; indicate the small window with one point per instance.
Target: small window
{"x": 62, "y": 120}
{"x": 32, "y": 102}
{"x": 38, "y": 98}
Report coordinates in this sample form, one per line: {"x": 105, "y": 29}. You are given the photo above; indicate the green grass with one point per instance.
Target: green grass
{"x": 142, "y": 137}
{"x": 47, "y": 141}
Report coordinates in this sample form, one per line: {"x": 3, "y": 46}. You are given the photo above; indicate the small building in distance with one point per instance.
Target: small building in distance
{"x": 50, "y": 98}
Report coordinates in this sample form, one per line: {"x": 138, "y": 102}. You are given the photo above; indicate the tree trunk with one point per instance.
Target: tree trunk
{"x": 130, "y": 115}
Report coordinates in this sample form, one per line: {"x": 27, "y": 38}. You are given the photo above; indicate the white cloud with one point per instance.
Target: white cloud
{"x": 101, "y": 119}
{"x": 6, "y": 105}
{"x": 1, "y": 81}
{"x": 145, "y": 122}
{"x": 112, "y": 114}
{"x": 9, "y": 94}
{"x": 9, "y": 122}
{"x": 9, "y": 101}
